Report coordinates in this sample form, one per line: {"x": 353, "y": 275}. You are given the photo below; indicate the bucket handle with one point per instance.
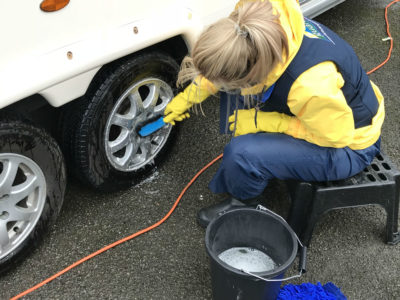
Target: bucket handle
{"x": 303, "y": 252}
{"x": 272, "y": 280}
{"x": 263, "y": 208}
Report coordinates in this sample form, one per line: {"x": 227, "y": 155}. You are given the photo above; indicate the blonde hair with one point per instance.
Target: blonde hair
{"x": 238, "y": 51}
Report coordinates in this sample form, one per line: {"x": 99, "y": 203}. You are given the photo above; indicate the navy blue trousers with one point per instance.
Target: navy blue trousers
{"x": 251, "y": 161}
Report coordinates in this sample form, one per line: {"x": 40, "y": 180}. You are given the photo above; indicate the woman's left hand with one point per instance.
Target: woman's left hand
{"x": 266, "y": 121}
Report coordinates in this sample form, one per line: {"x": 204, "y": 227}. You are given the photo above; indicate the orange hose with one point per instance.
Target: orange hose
{"x": 389, "y": 35}
{"x": 77, "y": 263}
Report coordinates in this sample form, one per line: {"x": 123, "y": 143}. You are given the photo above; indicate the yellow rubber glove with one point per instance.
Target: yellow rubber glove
{"x": 194, "y": 93}
{"x": 176, "y": 109}
{"x": 266, "y": 122}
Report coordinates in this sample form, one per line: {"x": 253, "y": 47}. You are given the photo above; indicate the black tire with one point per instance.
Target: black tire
{"x": 84, "y": 133}
{"x": 31, "y": 149}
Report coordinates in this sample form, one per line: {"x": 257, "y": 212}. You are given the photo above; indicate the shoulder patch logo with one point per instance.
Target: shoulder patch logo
{"x": 314, "y": 30}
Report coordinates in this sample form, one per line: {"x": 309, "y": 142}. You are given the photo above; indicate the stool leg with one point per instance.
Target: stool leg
{"x": 392, "y": 213}
{"x": 309, "y": 229}
{"x": 301, "y": 195}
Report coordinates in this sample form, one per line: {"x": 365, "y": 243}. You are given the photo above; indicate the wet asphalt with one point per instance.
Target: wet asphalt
{"x": 170, "y": 262}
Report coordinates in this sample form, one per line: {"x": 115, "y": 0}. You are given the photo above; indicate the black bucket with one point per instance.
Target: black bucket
{"x": 250, "y": 228}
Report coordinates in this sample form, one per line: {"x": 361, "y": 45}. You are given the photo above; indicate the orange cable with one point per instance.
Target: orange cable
{"x": 389, "y": 35}
{"x": 123, "y": 240}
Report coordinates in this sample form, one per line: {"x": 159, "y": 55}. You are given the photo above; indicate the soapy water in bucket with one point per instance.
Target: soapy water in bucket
{"x": 247, "y": 259}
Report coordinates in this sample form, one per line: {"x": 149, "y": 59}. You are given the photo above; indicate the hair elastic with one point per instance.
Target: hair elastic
{"x": 241, "y": 32}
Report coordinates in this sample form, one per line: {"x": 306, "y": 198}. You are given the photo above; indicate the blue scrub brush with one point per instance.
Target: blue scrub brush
{"x": 152, "y": 127}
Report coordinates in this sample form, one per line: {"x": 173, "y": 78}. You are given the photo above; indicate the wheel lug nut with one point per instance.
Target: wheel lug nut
{"x": 4, "y": 215}
{"x": 4, "y": 196}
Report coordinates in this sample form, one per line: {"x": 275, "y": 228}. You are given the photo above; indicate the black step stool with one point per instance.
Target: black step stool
{"x": 378, "y": 184}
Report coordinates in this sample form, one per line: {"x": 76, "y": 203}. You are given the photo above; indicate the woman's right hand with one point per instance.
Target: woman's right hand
{"x": 176, "y": 110}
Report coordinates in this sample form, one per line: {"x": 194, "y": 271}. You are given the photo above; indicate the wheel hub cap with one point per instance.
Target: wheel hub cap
{"x": 126, "y": 150}
{"x": 22, "y": 198}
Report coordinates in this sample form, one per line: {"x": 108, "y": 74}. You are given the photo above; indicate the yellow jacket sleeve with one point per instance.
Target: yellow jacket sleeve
{"x": 322, "y": 115}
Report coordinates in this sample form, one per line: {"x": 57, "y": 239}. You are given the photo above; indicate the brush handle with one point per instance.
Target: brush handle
{"x": 152, "y": 127}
